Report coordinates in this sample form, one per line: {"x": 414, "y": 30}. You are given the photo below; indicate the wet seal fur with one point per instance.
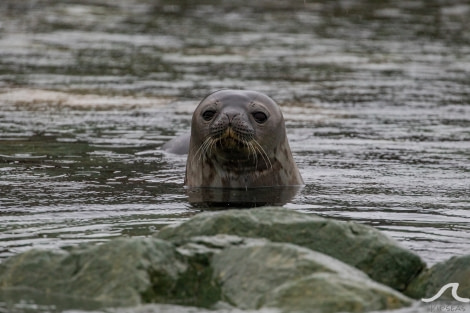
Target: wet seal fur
{"x": 238, "y": 140}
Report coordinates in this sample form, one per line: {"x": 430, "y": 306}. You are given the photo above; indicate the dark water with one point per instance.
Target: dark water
{"x": 376, "y": 97}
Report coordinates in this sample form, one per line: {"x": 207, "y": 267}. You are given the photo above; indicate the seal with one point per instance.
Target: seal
{"x": 238, "y": 140}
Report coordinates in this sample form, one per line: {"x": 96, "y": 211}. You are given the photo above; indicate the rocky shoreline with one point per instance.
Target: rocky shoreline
{"x": 263, "y": 258}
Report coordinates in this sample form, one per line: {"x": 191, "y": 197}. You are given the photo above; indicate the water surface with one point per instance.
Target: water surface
{"x": 375, "y": 96}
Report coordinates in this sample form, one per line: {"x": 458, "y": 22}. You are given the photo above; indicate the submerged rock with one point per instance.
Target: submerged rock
{"x": 363, "y": 247}
{"x": 454, "y": 270}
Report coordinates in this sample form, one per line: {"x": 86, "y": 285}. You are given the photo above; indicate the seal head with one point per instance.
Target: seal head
{"x": 238, "y": 140}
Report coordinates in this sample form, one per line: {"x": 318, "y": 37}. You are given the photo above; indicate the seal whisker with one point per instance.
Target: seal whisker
{"x": 208, "y": 147}
{"x": 263, "y": 153}
{"x": 201, "y": 152}
{"x": 211, "y": 146}
{"x": 251, "y": 151}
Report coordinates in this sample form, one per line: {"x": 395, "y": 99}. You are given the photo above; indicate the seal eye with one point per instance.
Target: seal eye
{"x": 208, "y": 115}
{"x": 260, "y": 117}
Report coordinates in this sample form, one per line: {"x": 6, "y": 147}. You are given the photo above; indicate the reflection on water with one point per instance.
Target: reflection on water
{"x": 374, "y": 93}
{"x": 220, "y": 198}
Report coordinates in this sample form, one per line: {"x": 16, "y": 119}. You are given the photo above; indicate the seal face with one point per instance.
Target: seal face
{"x": 238, "y": 140}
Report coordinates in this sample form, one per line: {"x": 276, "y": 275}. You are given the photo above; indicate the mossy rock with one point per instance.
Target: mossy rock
{"x": 454, "y": 270}
{"x": 248, "y": 273}
{"x": 361, "y": 246}
{"x": 297, "y": 279}
{"x": 121, "y": 272}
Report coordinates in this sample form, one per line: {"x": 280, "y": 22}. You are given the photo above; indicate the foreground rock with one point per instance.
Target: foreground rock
{"x": 363, "y": 247}
{"x": 454, "y": 270}
{"x": 266, "y": 258}
{"x": 200, "y": 271}
{"x": 297, "y": 279}
{"x": 118, "y": 273}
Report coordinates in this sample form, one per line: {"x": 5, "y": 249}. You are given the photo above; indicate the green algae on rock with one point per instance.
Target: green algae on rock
{"x": 120, "y": 272}
{"x": 430, "y": 281}
{"x": 292, "y": 278}
{"x": 246, "y": 273}
{"x": 361, "y": 246}
{"x": 326, "y": 292}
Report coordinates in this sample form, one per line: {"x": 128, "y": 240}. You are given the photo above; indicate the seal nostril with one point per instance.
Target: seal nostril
{"x": 231, "y": 116}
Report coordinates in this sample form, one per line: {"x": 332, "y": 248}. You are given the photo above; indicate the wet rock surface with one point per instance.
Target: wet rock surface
{"x": 296, "y": 279}
{"x": 456, "y": 270}
{"x": 363, "y": 247}
{"x": 246, "y": 273}
{"x": 117, "y": 273}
